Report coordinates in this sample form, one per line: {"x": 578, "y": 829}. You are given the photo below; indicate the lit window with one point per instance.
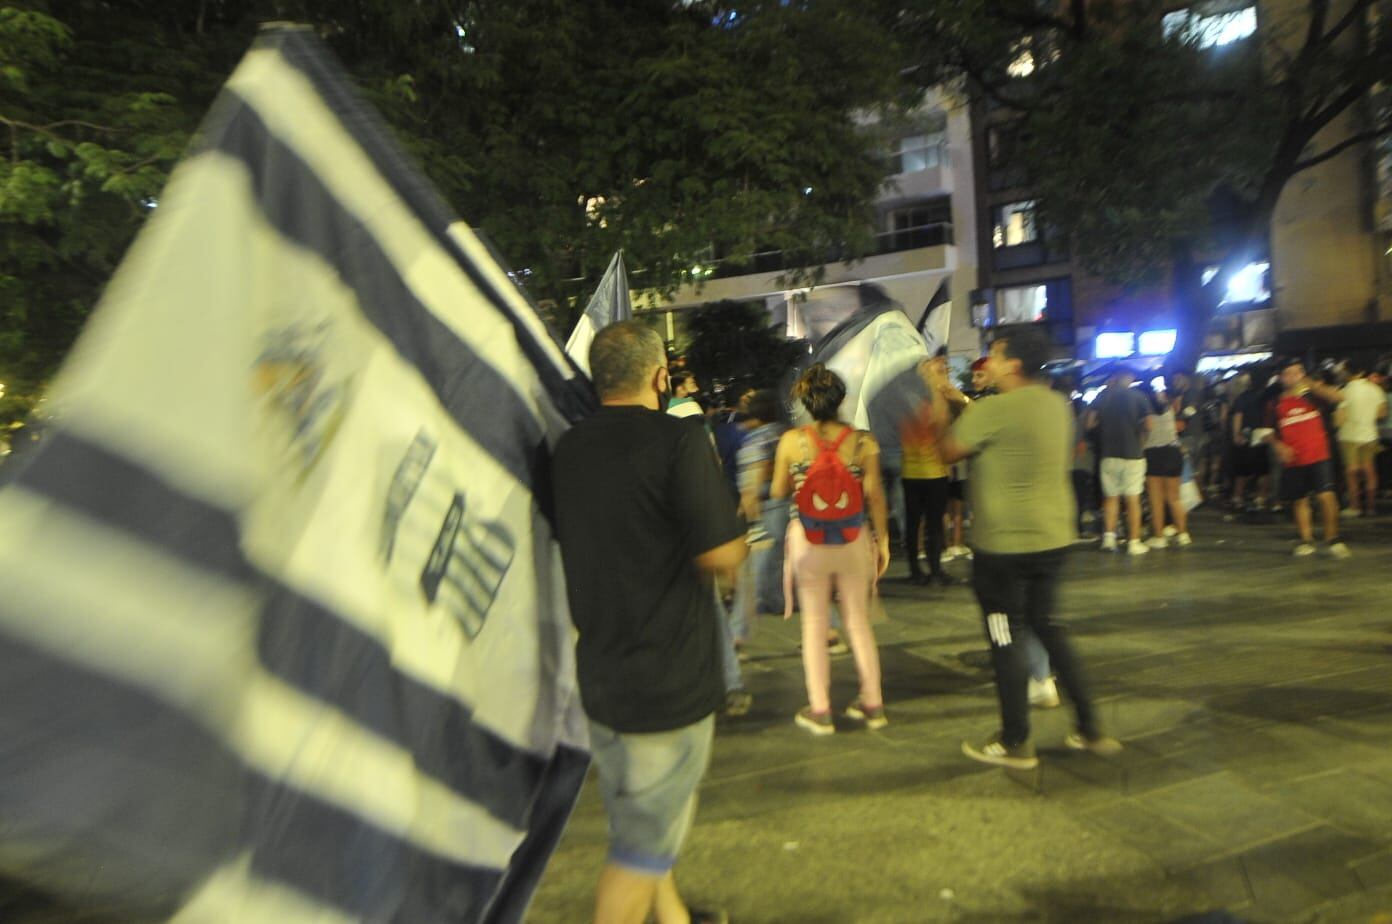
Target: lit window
{"x": 919, "y": 152}
{"x": 1114, "y": 345}
{"x": 1211, "y": 30}
{"x": 1015, "y": 224}
{"x": 1157, "y": 342}
{"x": 1022, "y": 65}
{"x": 1022, "y": 304}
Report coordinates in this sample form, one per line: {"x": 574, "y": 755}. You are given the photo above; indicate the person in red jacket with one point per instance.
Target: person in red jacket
{"x": 1302, "y": 443}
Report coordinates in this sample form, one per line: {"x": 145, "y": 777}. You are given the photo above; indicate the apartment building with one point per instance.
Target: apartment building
{"x": 925, "y": 228}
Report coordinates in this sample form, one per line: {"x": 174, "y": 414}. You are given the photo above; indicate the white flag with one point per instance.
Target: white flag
{"x": 609, "y": 304}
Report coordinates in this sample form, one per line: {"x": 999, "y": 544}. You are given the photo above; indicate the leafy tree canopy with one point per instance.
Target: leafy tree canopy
{"x": 562, "y": 130}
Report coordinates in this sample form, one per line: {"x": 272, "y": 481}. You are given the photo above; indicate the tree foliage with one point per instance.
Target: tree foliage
{"x": 733, "y": 348}
{"x": 562, "y": 130}
{"x": 1148, "y": 147}
{"x": 96, "y": 107}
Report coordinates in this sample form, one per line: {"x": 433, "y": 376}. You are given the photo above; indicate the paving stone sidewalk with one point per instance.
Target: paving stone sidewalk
{"x": 1253, "y": 692}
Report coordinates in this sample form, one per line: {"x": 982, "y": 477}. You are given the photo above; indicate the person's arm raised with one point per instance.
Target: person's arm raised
{"x": 949, "y": 449}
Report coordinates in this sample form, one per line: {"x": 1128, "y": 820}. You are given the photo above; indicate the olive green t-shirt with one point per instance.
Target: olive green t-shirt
{"x": 1020, "y": 482}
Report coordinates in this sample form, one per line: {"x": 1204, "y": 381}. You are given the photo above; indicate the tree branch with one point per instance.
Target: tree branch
{"x": 1354, "y": 14}
{"x": 47, "y": 130}
{"x": 1078, "y": 9}
{"x": 1355, "y": 91}
{"x": 1360, "y": 138}
{"x": 993, "y": 91}
{"x": 1319, "y": 12}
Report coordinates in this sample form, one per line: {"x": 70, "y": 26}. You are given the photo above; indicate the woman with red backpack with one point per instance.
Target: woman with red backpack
{"x": 832, "y": 472}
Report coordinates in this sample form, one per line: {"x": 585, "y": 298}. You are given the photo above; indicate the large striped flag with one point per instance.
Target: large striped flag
{"x": 282, "y": 631}
{"x": 609, "y": 304}
{"x": 873, "y": 351}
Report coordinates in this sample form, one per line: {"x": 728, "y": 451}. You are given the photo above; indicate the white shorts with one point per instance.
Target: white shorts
{"x": 1123, "y": 477}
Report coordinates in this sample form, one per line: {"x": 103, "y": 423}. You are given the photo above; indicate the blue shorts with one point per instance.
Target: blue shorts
{"x": 649, "y": 782}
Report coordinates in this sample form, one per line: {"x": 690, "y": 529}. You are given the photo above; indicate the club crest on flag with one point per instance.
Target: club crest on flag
{"x": 291, "y": 376}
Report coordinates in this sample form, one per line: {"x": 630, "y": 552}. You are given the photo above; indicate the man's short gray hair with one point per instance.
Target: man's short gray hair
{"x": 622, "y": 356}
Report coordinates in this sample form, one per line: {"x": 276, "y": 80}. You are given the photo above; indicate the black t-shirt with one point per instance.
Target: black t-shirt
{"x": 639, "y": 495}
{"x": 1252, "y": 405}
{"x": 1121, "y": 414}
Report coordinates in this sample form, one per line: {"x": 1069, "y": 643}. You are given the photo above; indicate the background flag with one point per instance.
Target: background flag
{"x": 872, "y": 348}
{"x": 284, "y": 635}
{"x": 609, "y": 304}
{"x": 937, "y": 317}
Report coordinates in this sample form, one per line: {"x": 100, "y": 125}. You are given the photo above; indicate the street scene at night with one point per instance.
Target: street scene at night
{"x": 695, "y": 461}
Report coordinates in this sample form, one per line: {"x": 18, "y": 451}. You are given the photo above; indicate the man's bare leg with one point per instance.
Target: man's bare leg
{"x": 1351, "y": 474}
{"x": 1303, "y": 523}
{"x": 669, "y": 908}
{"x": 1329, "y": 509}
{"x": 624, "y": 896}
{"x": 1133, "y": 517}
{"x": 1111, "y": 510}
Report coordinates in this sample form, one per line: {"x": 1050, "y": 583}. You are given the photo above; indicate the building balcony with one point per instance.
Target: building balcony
{"x": 886, "y": 242}
{"x": 902, "y": 251}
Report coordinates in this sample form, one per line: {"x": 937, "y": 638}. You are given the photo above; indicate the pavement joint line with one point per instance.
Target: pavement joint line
{"x": 1238, "y": 852}
{"x": 710, "y": 783}
{"x": 1343, "y": 673}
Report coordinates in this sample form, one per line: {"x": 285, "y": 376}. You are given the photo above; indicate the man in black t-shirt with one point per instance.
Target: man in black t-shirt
{"x": 1251, "y": 460}
{"x": 645, "y": 520}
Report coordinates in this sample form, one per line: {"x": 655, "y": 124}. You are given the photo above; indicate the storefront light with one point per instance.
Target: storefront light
{"x": 1114, "y": 345}
{"x": 1157, "y": 342}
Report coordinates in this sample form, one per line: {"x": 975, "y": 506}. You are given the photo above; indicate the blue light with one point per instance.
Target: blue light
{"x": 1115, "y": 345}
{"x": 1158, "y": 342}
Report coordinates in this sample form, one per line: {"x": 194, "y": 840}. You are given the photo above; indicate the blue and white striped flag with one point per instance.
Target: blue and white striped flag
{"x": 874, "y": 351}
{"x": 609, "y": 304}
{"x": 283, "y": 634}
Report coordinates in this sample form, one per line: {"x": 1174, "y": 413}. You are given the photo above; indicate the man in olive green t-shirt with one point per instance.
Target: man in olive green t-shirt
{"x": 1020, "y": 444}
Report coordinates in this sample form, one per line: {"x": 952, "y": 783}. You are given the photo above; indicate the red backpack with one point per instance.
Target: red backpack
{"x": 830, "y": 502}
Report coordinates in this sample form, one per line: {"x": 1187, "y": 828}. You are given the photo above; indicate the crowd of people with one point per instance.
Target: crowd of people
{"x": 1263, "y": 440}
{"x": 679, "y": 526}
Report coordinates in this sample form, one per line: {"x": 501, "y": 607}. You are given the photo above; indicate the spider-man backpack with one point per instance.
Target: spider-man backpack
{"x": 830, "y": 502}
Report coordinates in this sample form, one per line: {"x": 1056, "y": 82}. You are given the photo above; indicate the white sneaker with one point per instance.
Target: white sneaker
{"x": 1109, "y": 542}
{"x": 1137, "y": 547}
{"x": 1339, "y": 550}
{"x": 1158, "y": 542}
{"x": 961, "y": 551}
{"x": 1304, "y": 550}
{"x": 1043, "y": 693}
{"x": 1183, "y": 539}
{"x": 1352, "y": 513}
{"x": 1170, "y": 532}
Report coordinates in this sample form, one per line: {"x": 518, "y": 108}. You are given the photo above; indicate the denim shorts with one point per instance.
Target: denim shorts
{"x": 649, "y": 782}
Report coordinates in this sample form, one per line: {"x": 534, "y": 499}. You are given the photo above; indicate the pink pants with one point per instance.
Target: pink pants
{"x": 849, "y": 571}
